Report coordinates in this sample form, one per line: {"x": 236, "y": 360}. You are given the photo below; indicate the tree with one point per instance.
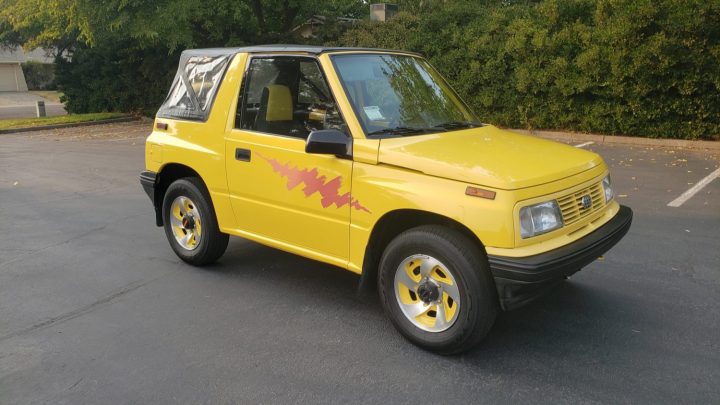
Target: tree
{"x": 169, "y": 23}
{"x": 122, "y": 54}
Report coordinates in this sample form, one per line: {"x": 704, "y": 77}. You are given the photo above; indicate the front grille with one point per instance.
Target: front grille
{"x": 572, "y": 206}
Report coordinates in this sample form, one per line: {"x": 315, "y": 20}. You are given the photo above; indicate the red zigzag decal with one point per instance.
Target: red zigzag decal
{"x": 315, "y": 183}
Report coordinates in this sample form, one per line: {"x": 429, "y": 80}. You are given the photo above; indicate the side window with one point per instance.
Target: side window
{"x": 194, "y": 87}
{"x": 286, "y": 96}
{"x": 204, "y": 74}
{"x": 313, "y": 89}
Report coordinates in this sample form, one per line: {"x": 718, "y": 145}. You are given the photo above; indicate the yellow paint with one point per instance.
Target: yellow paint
{"x": 426, "y": 319}
{"x": 287, "y": 215}
{"x": 425, "y": 173}
{"x": 404, "y": 294}
{"x": 449, "y": 309}
{"x": 155, "y": 152}
{"x": 410, "y": 271}
{"x": 440, "y": 276}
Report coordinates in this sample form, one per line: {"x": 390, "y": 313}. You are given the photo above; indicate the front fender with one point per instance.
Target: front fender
{"x": 383, "y": 189}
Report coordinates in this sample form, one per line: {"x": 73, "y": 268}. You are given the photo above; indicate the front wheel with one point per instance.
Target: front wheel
{"x": 190, "y": 223}
{"x": 436, "y": 288}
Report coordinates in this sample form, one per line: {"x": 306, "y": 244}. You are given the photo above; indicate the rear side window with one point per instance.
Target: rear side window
{"x": 194, "y": 88}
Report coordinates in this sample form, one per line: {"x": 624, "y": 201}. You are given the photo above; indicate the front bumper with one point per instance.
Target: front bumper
{"x": 521, "y": 279}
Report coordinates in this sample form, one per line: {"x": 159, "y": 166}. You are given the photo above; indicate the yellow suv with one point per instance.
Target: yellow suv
{"x": 367, "y": 159}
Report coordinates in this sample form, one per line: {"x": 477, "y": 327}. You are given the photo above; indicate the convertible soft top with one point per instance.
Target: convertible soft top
{"x": 315, "y": 50}
{"x": 200, "y": 72}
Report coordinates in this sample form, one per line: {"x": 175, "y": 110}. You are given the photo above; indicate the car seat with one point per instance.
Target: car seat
{"x": 275, "y": 114}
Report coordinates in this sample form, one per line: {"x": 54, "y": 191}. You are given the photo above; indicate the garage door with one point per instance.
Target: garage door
{"x": 7, "y": 77}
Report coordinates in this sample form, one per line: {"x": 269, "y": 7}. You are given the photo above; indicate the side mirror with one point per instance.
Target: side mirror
{"x": 329, "y": 142}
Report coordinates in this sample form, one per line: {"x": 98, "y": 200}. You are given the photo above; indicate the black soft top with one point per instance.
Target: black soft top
{"x": 201, "y": 71}
{"x": 315, "y": 50}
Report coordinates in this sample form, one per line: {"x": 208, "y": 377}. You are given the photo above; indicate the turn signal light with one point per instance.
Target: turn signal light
{"x": 480, "y": 192}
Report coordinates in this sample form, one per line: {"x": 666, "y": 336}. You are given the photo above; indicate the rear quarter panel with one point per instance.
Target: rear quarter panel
{"x": 201, "y": 145}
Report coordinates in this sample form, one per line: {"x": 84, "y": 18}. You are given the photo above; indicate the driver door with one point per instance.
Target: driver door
{"x": 280, "y": 194}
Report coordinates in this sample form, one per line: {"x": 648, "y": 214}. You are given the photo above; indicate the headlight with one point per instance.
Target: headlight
{"x": 540, "y": 218}
{"x": 607, "y": 186}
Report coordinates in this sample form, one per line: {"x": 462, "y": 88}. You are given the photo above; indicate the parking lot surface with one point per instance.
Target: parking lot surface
{"x": 96, "y": 308}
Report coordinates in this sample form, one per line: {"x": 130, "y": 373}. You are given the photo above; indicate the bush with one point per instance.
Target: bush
{"x": 631, "y": 67}
{"x": 116, "y": 77}
{"x": 39, "y": 76}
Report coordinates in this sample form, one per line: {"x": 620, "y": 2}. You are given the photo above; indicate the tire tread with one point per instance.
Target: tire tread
{"x": 476, "y": 329}
{"x": 215, "y": 242}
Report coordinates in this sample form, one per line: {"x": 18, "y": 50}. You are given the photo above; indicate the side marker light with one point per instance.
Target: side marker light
{"x": 479, "y": 192}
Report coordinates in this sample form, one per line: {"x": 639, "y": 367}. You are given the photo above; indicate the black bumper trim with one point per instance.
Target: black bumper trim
{"x": 519, "y": 280}
{"x": 148, "y": 180}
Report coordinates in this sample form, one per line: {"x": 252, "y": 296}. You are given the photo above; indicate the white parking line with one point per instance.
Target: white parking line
{"x": 584, "y": 144}
{"x": 694, "y": 189}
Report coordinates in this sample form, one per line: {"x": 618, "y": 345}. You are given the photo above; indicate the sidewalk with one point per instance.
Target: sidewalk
{"x": 22, "y": 105}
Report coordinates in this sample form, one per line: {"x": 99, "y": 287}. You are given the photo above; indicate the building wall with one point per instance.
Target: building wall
{"x": 12, "y": 77}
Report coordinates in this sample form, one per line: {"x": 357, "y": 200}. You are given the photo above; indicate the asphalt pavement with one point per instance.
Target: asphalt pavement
{"x": 96, "y": 308}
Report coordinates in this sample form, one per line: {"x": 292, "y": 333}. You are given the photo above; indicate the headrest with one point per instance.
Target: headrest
{"x": 279, "y": 103}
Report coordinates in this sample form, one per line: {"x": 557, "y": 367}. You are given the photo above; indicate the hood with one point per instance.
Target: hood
{"x": 488, "y": 156}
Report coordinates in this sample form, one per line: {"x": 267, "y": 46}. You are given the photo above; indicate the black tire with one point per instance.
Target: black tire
{"x": 468, "y": 265}
{"x": 213, "y": 243}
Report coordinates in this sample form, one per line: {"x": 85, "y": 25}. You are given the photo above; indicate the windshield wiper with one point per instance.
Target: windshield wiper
{"x": 399, "y": 131}
{"x": 457, "y": 125}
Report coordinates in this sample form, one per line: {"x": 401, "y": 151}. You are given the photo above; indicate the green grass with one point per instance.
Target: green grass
{"x": 63, "y": 119}
{"x": 48, "y": 94}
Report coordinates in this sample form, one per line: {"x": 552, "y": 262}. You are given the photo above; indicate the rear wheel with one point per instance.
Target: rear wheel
{"x": 436, "y": 288}
{"x": 190, "y": 223}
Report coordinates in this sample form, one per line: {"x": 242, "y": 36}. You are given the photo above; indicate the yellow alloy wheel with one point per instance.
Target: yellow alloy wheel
{"x": 186, "y": 223}
{"x": 427, "y": 293}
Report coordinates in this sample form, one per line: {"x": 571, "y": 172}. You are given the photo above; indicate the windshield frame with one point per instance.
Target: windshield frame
{"x": 433, "y": 71}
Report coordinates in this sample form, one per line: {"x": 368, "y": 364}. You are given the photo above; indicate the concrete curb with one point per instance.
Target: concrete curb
{"x": 68, "y": 125}
{"x": 616, "y": 139}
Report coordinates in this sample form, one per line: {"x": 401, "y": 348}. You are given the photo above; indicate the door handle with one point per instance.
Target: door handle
{"x": 242, "y": 154}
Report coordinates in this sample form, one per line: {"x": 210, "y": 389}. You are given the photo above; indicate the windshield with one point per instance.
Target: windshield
{"x": 398, "y": 95}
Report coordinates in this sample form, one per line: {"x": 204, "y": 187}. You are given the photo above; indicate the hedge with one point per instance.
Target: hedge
{"x": 116, "y": 77}
{"x": 39, "y": 76}
{"x": 631, "y": 67}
